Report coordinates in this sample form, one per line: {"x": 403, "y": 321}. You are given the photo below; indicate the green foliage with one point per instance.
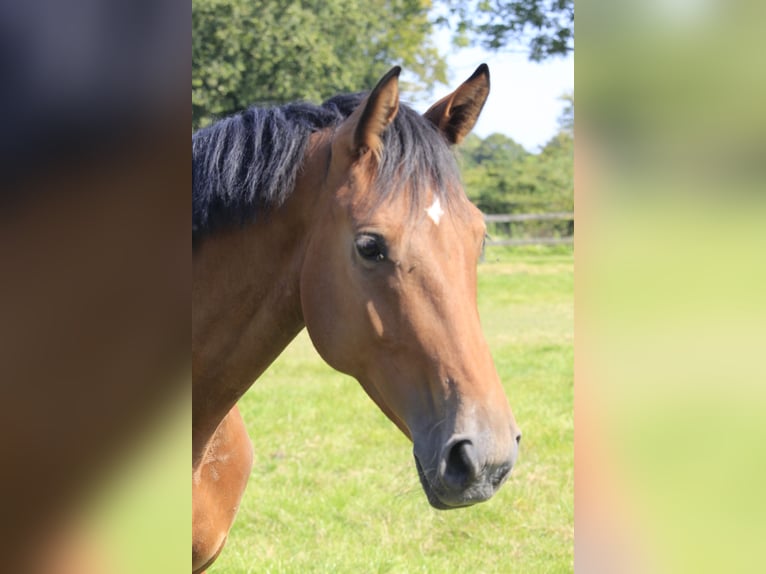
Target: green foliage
{"x": 500, "y": 176}
{"x": 566, "y": 119}
{"x": 269, "y": 51}
{"x": 546, "y": 27}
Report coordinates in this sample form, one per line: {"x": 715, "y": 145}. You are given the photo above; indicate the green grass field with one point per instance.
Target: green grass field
{"x": 334, "y": 486}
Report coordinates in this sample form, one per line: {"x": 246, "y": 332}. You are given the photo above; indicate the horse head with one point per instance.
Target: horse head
{"x": 388, "y": 287}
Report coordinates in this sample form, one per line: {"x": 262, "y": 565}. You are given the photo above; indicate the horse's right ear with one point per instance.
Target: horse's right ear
{"x": 363, "y": 130}
{"x": 456, "y": 114}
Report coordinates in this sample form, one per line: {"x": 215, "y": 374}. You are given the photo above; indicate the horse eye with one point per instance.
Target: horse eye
{"x": 371, "y": 247}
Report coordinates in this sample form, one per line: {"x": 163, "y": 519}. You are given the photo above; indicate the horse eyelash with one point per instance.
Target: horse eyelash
{"x": 484, "y": 243}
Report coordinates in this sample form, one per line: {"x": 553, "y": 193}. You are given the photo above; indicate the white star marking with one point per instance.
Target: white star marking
{"x": 435, "y": 212}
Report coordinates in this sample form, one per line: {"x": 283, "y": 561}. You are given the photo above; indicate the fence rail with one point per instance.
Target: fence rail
{"x": 522, "y": 217}
{"x": 569, "y": 239}
{"x": 513, "y": 217}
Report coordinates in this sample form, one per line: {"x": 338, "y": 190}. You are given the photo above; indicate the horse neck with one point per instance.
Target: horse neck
{"x": 246, "y": 299}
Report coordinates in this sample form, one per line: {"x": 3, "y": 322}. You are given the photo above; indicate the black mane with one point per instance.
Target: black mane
{"x": 248, "y": 163}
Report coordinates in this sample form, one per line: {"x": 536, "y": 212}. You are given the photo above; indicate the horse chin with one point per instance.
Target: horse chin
{"x": 433, "y": 497}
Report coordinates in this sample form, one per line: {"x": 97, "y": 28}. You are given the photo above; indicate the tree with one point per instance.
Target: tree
{"x": 490, "y": 168}
{"x": 566, "y": 119}
{"x": 274, "y": 51}
{"x": 500, "y": 176}
{"x": 545, "y": 27}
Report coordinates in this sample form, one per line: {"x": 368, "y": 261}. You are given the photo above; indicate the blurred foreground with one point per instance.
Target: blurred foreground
{"x": 671, "y": 313}
{"x": 95, "y": 295}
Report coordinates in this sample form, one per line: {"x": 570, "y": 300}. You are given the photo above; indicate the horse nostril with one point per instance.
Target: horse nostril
{"x": 518, "y": 439}
{"x": 462, "y": 465}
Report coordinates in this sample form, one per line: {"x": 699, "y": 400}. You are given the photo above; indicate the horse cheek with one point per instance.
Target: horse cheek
{"x": 324, "y": 313}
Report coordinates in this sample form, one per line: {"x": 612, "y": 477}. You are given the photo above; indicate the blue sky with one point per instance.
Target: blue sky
{"x": 523, "y": 102}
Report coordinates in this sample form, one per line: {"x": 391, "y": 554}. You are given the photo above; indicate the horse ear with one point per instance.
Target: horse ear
{"x": 456, "y": 114}
{"x": 374, "y": 114}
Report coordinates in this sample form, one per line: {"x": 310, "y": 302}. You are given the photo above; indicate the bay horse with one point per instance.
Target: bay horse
{"x": 349, "y": 219}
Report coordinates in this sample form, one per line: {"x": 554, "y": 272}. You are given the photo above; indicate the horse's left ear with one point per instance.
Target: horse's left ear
{"x": 363, "y": 130}
{"x": 380, "y": 109}
{"x": 456, "y": 114}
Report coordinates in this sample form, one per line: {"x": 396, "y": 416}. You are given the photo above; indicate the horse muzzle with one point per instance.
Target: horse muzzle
{"x": 463, "y": 474}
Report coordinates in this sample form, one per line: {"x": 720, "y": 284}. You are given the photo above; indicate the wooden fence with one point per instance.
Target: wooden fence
{"x": 522, "y": 217}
